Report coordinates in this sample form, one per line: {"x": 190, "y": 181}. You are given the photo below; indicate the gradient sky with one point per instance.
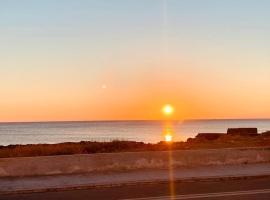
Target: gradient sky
{"x": 124, "y": 59}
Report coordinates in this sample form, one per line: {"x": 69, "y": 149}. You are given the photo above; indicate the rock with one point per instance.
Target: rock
{"x": 190, "y": 140}
{"x": 243, "y": 131}
{"x": 209, "y": 136}
{"x": 266, "y": 133}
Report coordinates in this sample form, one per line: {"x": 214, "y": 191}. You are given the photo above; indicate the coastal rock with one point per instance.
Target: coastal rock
{"x": 209, "y": 136}
{"x": 266, "y": 133}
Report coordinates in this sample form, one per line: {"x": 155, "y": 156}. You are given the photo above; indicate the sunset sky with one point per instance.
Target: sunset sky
{"x": 125, "y": 59}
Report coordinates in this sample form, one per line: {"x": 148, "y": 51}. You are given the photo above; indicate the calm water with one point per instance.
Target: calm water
{"x": 146, "y": 131}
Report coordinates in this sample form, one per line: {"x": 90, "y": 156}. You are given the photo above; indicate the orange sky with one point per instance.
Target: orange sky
{"x": 98, "y": 60}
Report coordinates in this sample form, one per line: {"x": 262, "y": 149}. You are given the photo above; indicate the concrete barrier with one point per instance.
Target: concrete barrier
{"x": 69, "y": 164}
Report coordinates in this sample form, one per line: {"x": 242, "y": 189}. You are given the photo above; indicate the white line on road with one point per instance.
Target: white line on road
{"x": 206, "y": 195}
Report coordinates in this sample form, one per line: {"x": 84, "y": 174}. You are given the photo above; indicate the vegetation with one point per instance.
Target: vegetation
{"x": 85, "y": 147}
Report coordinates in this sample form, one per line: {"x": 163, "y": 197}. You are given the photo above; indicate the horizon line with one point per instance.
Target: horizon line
{"x": 138, "y": 120}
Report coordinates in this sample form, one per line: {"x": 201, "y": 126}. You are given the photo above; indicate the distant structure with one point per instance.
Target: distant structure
{"x": 243, "y": 131}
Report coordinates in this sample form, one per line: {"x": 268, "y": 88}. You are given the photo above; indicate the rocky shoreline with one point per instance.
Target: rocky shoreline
{"x": 243, "y": 137}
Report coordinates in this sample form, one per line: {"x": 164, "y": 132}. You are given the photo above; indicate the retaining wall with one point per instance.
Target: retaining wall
{"x": 68, "y": 164}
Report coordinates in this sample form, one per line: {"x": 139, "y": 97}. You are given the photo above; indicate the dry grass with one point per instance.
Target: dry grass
{"x": 72, "y": 148}
{"x": 128, "y": 146}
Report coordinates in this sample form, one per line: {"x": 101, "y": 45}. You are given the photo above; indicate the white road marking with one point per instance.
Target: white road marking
{"x": 206, "y": 195}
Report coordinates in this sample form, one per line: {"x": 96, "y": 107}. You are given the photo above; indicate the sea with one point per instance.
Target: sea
{"x": 141, "y": 131}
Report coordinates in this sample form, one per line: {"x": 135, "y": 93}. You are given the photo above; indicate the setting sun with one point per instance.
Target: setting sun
{"x": 168, "y": 109}
{"x": 168, "y": 138}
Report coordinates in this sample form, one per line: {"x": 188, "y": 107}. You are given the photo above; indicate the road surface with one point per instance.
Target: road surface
{"x": 254, "y": 188}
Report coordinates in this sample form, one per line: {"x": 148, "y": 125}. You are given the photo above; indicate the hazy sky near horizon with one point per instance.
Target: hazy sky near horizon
{"x": 124, "y": 59}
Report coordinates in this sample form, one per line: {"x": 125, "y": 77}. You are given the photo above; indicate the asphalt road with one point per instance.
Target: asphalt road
{"x": 255, "y": 188}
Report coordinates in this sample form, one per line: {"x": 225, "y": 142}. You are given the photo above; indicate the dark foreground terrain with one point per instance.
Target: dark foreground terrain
{"x": 253, "y": 188}
{"x": 87, "y": 147}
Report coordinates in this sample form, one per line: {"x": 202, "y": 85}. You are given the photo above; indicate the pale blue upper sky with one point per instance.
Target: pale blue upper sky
{"x": 60, "y": 53}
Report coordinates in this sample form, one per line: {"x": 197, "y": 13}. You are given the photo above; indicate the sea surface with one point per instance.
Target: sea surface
{"x": 145, "y": 131}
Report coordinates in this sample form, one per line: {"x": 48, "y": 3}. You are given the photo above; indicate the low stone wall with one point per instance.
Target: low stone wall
{"x": 68, "y": 164}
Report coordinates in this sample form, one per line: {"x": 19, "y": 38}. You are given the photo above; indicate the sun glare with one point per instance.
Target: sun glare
{"x": 168, "y": 138}
{"x": 168, "y": 109}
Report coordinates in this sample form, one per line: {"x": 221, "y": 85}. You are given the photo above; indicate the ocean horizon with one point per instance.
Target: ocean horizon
{"x": 149, "y": 131}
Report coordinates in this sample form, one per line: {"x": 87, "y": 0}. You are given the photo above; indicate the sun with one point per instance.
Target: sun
{"x": 168, "y": 138}
{"x": 168, "y": 109}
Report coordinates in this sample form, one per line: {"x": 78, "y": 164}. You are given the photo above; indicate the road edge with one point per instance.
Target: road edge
{"x": 131, "y": 183}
